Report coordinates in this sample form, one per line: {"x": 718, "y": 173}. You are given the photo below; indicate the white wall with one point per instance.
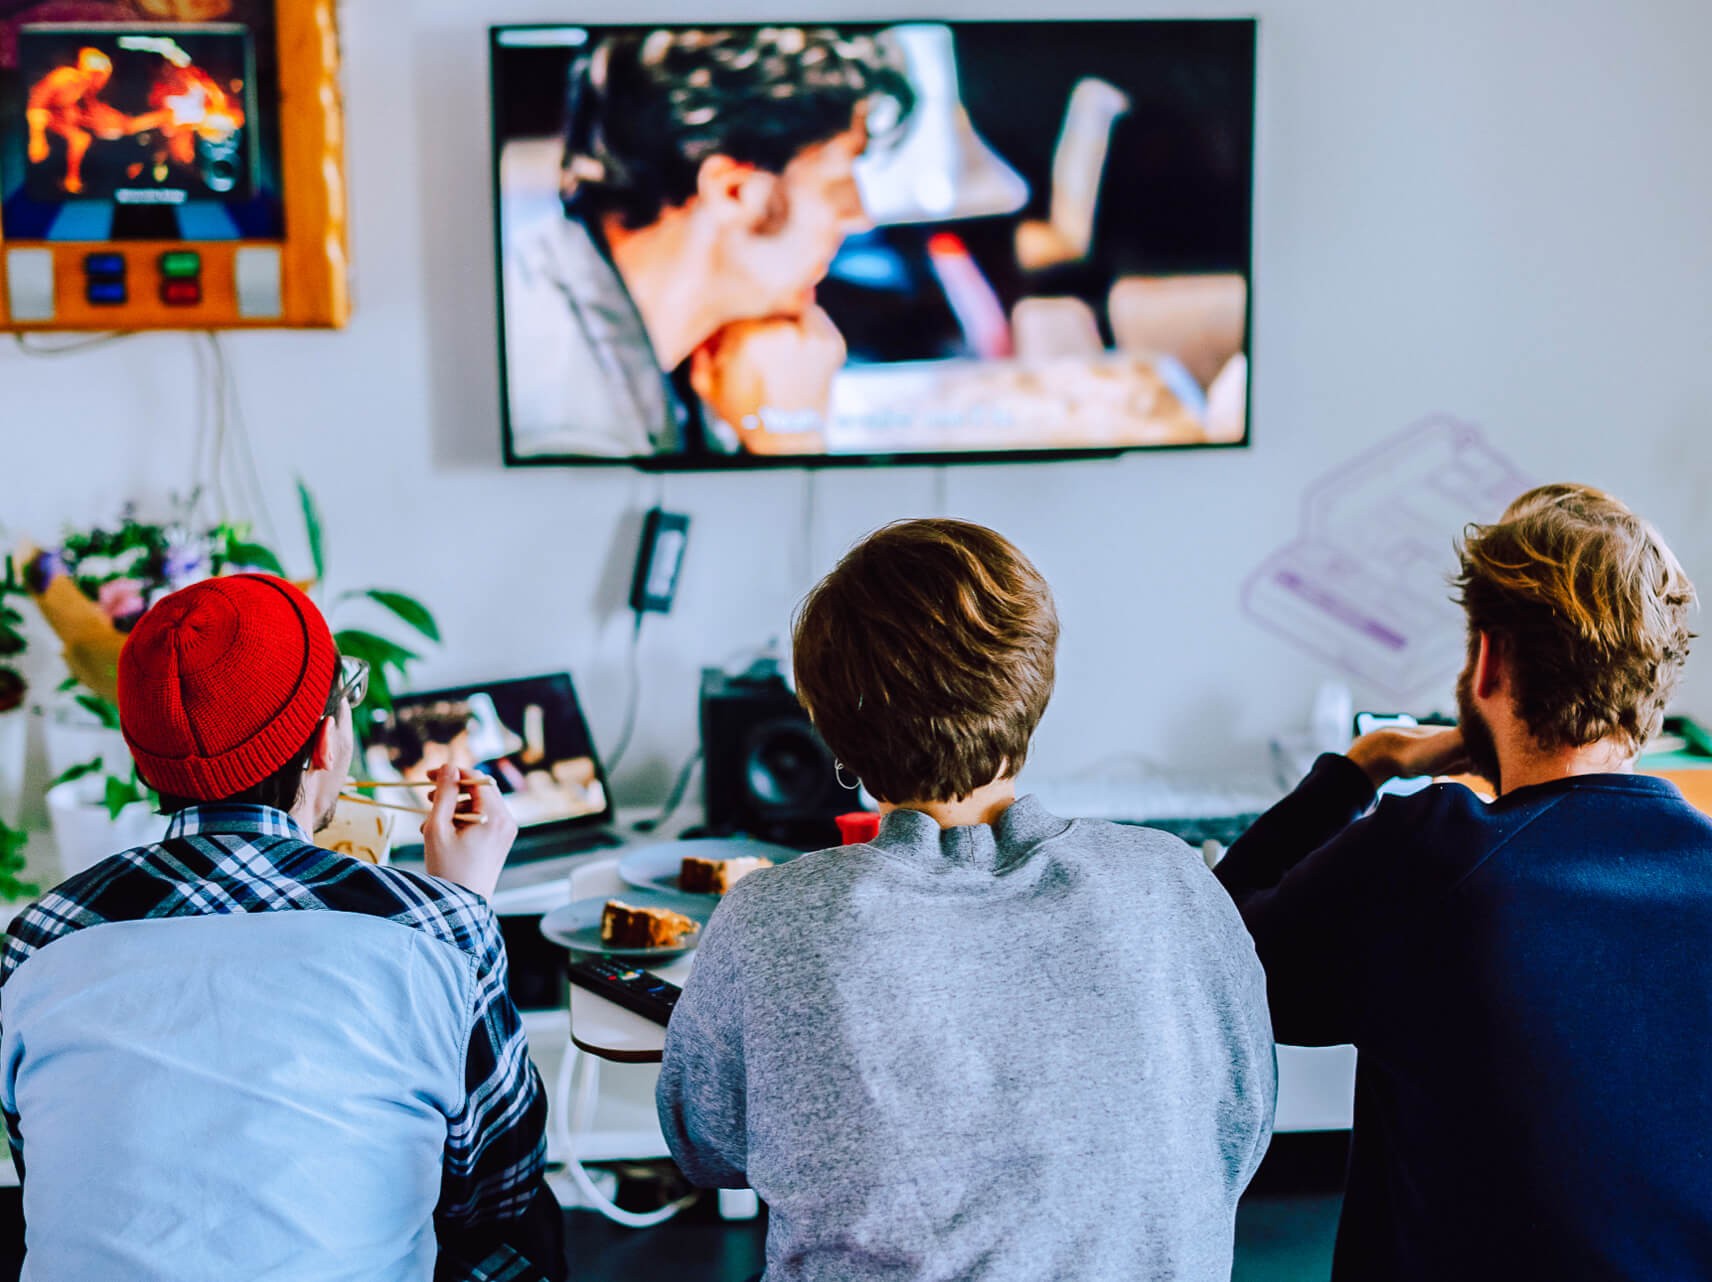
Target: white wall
{"x": 1493, "y": 210}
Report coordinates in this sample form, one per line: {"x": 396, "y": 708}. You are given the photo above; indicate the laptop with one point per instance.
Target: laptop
{"x": 528, "y": 735}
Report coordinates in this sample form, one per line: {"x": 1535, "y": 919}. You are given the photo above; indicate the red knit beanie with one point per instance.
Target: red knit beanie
{"x": 222, "y": 682}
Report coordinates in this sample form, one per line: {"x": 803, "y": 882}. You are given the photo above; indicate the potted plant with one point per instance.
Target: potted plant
{"x": 13, "y": 689}
{"x": 94, "y": 588}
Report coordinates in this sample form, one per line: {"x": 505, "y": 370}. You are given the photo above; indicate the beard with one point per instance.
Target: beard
{"x": 1477, "y": 738}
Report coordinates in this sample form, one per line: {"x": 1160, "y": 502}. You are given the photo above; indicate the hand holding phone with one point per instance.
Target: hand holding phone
{"x": 1397, "y": 748}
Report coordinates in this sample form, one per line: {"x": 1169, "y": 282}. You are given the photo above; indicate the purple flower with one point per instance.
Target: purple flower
{"x": 185, "y": 564}
{"x": 42, "y": 571}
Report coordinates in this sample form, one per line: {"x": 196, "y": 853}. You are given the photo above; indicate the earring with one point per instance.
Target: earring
{"x": 838, "y": 771}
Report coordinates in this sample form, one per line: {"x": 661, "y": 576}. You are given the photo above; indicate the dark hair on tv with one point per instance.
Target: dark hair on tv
{"x": 644, "y": 111}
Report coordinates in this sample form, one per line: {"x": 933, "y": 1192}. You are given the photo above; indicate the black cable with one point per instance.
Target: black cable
{"x": 675, "y": 799}
{"x": 633, "y": 700}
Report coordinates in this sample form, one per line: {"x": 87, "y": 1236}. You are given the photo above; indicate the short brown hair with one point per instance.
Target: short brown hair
{"x": 1590, "y": 605}
{"x": 926, "y": 659}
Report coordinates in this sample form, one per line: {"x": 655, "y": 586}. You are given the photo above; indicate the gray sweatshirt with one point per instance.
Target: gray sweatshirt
{"x": 1030, "y": 1051}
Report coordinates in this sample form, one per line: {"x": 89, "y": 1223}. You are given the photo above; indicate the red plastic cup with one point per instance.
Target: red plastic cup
{"x": 858, "y": 826}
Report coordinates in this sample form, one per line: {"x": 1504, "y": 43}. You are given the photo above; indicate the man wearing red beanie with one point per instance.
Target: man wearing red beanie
{"x": 235, "y": 1054}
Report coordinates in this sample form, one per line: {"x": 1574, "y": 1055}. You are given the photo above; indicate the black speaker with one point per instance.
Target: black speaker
{"x": 766, "y": 772}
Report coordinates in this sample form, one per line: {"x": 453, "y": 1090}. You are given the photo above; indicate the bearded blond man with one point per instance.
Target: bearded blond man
{"x": 1527, "y": 980}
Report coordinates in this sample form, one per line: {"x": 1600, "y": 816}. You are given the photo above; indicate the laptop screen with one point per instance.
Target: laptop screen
{"x": 528, "y": 735}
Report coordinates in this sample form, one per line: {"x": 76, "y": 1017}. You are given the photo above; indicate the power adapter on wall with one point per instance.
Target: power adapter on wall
{"x": 659, "y": 560}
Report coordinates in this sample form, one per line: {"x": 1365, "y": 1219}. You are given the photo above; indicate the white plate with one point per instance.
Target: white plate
{"x": 576, "y": 925}
{"x": 657, "y": 867}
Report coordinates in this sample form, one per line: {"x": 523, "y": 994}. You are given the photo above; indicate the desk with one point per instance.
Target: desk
{"x": 1695, "y": 783}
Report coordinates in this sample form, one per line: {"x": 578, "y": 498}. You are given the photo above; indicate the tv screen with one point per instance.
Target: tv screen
{"x": 741, "y": 245}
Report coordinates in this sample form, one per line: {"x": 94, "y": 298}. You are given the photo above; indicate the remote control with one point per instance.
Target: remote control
{"x": 636, "y": 990}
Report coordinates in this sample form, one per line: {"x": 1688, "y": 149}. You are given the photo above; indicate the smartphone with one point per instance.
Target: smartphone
{"x": 1366, "y": 721}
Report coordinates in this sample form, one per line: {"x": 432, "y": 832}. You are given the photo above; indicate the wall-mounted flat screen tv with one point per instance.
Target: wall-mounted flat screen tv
{"x": 922, "y": 241}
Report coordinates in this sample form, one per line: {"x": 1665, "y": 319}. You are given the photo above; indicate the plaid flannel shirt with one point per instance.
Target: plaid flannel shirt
{"x": 250, "y": 859}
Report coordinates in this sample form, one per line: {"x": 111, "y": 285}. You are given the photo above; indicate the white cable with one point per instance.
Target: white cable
{"x": 588, "y": 1094}
{"x": 559, "y": 1116}
{"x": 217, "y": 460}
{"x": 201, "y": 431}
{"x": 617, "y": 1214}
{"x": 632, "y": 698}
{"x": 69, "y": 347}
{"x": 245, "y": 455}
{"x": 559, "y": 1105}
{"x": 674, "y": 799}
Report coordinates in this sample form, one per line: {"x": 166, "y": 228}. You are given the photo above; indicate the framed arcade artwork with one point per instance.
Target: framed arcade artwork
{"x": 171, "y": 164}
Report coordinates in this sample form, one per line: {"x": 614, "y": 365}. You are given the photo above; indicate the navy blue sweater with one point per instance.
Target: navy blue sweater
{"x": 1529, "y": 984}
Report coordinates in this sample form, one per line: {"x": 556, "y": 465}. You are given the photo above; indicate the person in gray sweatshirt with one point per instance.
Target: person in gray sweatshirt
{"x": 991, "y": 1043}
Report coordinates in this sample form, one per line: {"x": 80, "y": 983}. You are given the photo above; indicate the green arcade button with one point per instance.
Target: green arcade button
{"x": 180, "y": 264}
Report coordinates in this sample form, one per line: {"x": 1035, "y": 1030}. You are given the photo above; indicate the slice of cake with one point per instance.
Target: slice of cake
{"x": 626, "y": 926}
{"x": 716, "y": 876}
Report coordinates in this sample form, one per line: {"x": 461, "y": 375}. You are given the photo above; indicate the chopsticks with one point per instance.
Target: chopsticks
{"x": 414, "y": 783}
{"x": 458, "y": 816}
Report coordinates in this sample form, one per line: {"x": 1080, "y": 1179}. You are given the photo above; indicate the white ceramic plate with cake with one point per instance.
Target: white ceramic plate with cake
{"x": 641, "y": 924}
{"x": 705, "y": 866}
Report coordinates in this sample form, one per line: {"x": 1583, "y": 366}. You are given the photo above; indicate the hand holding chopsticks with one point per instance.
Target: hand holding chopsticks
{"x": 463, "y": 845}
{"x": 467, "y": 781}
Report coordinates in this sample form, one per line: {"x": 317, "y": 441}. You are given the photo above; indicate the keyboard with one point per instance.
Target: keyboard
{"x": 1198, "y": 806}
{"x": 565, "y": 844}
{"x": 1200, "y": 829}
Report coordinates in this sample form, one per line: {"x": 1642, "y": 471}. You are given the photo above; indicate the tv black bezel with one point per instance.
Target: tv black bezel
{"x": 758, "y": 462}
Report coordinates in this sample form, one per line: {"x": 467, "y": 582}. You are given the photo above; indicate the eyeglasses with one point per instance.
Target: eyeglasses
{"x": 352, "y": 684}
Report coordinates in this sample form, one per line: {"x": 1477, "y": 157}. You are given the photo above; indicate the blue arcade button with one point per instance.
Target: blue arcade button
{"x": 107, "y": 293}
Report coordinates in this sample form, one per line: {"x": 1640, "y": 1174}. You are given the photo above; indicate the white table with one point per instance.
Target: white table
{"x": 608, "y": 1031}
{"x": 603, "y": 1028}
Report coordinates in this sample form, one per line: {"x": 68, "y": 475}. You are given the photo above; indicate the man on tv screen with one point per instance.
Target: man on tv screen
{"x": 708, "y": 180}
{"x": 133, "y": 114}
{"x": 67, "y": 102}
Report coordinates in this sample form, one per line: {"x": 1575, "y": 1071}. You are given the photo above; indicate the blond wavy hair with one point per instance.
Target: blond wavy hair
{"x": 1592, "y": 608}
